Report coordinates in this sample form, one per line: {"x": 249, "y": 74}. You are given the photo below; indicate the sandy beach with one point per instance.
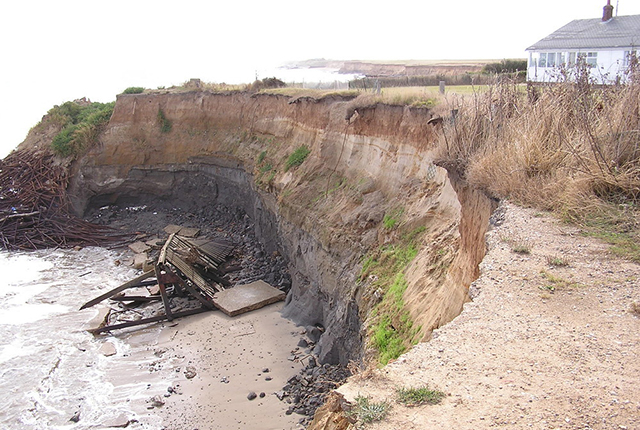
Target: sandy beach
{"x": 231, "y": 357}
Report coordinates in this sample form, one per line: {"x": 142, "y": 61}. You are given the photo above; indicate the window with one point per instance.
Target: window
{"x": 543, "y": 60}
{"x": 572, "y": 59}
{"x": 589, "y": 58}
{"x": 560, "y": 59}
{"x": 551, "y": 59}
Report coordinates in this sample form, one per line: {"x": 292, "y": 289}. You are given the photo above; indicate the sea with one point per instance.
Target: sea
{"x": 53, "y": 374}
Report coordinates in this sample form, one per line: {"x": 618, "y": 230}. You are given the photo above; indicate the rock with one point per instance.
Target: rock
{"x": 190, "y": 372}
{"x": 76, "y": 417}
{"x": 121, "y": 421}
{"x": 262, "y": 394}
{"x": 302, "y": 343}
{"x": 252, "y": 395}
{"x": 157, "y": 401}
{"x": 108, "y": 349}
{"x": 279, "y": 394}
{"x": 139, "y": 260}
{"x": 268, "y": 378}
{"x": 139, "y": 247}
{"x": 265, "y": 370}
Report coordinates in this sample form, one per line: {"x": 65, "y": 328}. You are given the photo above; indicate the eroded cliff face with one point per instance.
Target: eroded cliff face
{"x": 323, "y": 215}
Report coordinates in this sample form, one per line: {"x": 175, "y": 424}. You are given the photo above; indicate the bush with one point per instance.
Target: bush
{"x": 505, "y": 66}
{"x": 569, "y": 147}
{"x": 297, "y": 158}
{"x": 267, "y": 83}
{"x": 80, "y": 123}
{"x": 133, "y": 90}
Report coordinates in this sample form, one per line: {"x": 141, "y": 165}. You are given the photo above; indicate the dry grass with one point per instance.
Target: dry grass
{"x": 573, "y": 148}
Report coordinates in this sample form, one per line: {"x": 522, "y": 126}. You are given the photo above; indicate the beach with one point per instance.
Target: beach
{"x": 57, "y": 375}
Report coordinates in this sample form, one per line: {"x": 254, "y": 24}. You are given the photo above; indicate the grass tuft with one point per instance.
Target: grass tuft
{"x": 366, "y": 411}
{"x": 557, "y": 261}
{"x": 297, "y": 158}
{"x": 419, "y": 396}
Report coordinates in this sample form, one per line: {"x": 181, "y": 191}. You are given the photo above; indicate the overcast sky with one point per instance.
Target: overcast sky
{"x": 54, "y": 51}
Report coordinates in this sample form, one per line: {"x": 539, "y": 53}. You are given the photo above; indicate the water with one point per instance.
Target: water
{"x": 50, "y": 367}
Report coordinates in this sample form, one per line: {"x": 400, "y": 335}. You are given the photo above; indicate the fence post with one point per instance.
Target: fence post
{"x": 441, "y": 87}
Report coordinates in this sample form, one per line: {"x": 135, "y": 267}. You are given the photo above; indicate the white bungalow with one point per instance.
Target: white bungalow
{"x": 606, "y": 45}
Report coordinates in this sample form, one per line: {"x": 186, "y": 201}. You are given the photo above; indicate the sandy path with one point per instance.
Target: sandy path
{"x": 229, "y": 356}
{"x": 540, "y": 346}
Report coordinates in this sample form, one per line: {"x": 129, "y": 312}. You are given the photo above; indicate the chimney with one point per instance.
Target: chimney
{"x": 607, "y": 13}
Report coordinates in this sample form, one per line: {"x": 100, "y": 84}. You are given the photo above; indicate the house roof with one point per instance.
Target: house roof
{"x": 620, "y": 31}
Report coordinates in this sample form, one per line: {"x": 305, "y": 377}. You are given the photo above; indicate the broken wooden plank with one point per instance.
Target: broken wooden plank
{"x": 136, "y": 298}
{"x": 162, "y": 257}
{"x": 148, "y": 320}
{"x": 163, "y": 292}
{"x": 248, "y": 297}
{"x": 130, "y": 284}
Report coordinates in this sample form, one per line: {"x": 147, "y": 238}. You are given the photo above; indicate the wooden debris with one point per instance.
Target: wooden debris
{"x": 35, "y": 211}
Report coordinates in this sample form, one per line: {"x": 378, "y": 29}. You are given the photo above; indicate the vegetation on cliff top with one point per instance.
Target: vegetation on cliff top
{"x": 80, "y": 122}
{"x": 571, "y": 147}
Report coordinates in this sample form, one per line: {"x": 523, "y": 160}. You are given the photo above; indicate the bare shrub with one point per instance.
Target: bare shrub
{"x": 557, "y": 146}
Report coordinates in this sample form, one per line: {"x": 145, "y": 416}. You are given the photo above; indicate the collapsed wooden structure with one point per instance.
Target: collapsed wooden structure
{"x": 35, "y": 211}
{"x": 191, "y": 266}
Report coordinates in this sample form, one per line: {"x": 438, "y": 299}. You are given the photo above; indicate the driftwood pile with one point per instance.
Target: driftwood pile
{"x": 35, "y": 212}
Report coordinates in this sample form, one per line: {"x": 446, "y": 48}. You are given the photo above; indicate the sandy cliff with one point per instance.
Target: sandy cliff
{"x": 323, "y": 215}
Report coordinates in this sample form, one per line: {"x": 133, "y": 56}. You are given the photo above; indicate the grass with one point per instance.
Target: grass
{"x": 570, "y": 148}
{"x": 297, "y": 158}
{"x": 553, "y": 282}
{"x": 80, "y": 125}
{"x": 164, "y": 122}
{"x": 616, "y": 225}
{"x": 419, "y": 396}
{"x": 391, "y": 218}
{"x": 366, "y": 411}
{"x": 557, "y": 261}
{"x": 392, "y": 331}
{"x": 518, "y": 245}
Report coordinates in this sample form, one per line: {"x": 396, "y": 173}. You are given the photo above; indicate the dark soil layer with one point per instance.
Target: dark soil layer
{"x": 149, "y": 221}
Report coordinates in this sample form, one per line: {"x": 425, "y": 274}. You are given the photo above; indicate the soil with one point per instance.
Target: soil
{"x": 550, "y": 340}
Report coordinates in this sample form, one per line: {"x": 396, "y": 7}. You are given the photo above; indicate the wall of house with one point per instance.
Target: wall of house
{"x": 611, "y": 63}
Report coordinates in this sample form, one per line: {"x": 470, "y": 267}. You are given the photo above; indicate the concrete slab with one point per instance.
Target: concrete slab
{"x": 244, "y": 298}
{"x": 139, "y": 247}
{"x": 189, "y": 232}
{"x": 172, "y": 228}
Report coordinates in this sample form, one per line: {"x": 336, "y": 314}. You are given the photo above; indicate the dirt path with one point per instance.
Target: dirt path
{"x": 542, "y": 346}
